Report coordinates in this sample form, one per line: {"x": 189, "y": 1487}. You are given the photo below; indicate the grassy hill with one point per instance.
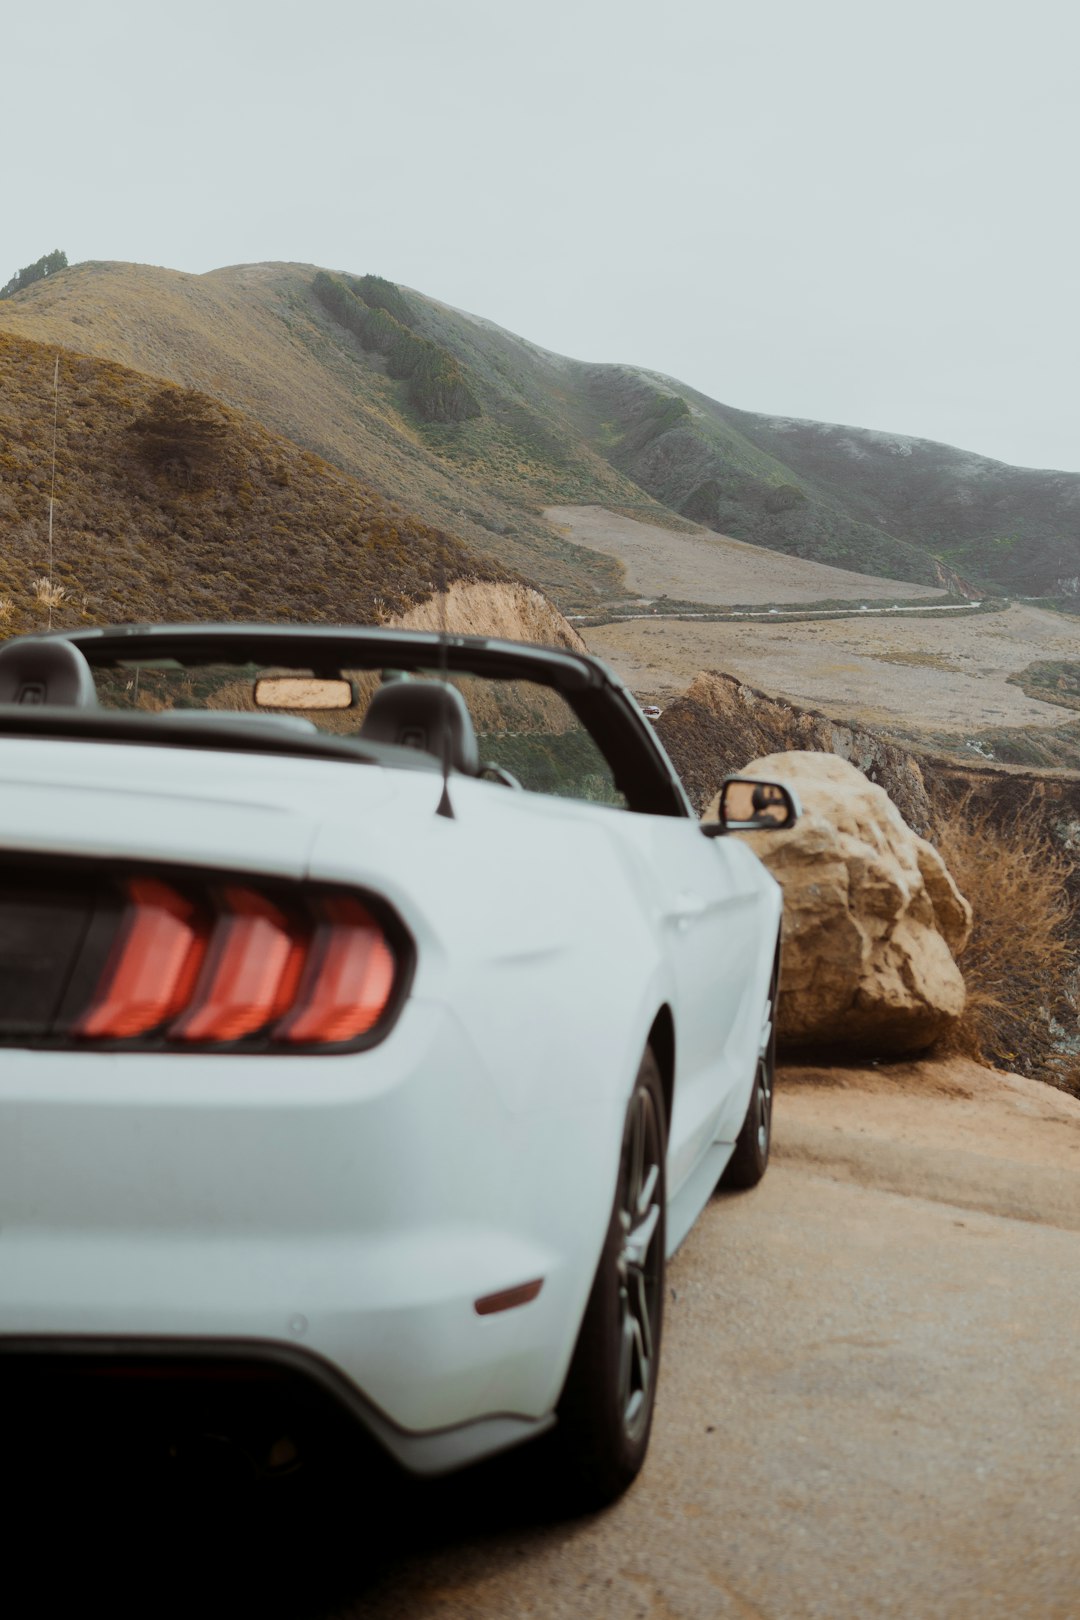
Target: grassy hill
{"x": 258, "y": 338}
{"x": 476, "y": 431}
{"x": 169, "y": 504}
{"x": 1011, "y": 527}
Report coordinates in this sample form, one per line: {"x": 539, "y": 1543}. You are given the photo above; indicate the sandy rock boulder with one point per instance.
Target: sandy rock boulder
{"x": 872, "y": 919}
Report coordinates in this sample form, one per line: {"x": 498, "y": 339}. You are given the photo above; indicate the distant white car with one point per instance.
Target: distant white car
{"x": 377, "y": 1018}
{"x": 651, "y": 711}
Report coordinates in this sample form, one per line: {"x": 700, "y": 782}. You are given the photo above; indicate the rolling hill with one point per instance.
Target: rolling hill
{"x": 257, "y": 338}
{"x": 169, "y": 504}
{"x": 351, "y": 369}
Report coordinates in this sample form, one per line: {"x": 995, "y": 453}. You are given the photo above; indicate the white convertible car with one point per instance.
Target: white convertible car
{"x": 377, "y": 1018}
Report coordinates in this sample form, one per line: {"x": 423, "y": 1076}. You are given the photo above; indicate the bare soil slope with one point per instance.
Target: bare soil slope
{"x": 699, "y": 566}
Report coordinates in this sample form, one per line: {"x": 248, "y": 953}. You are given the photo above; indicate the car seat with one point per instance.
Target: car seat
{"x": 45, "y": 670}
{"x": 425, "y": 715}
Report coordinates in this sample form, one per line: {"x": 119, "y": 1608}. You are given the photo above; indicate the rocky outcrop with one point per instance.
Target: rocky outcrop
{"x": 872, "y": 919}
{"x": 719, "y": 722}
{"x": 490, "y": 608}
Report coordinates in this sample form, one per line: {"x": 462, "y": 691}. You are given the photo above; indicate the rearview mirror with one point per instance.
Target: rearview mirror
{"x": 302, "y": 692}
{"x": 747, "y": 805}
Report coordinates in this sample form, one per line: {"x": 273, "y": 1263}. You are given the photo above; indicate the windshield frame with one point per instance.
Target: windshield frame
{"x": 606, "y": 709}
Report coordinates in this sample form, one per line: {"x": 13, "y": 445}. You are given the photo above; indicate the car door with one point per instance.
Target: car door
{"x": 709, "y": 903}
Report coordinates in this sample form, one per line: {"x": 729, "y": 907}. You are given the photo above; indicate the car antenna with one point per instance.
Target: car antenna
{"x": 52, "y": 486}
{"x": 445, "y": 808}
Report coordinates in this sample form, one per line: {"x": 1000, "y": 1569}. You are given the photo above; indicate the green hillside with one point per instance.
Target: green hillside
{"x": 687, "y": 454}
{"x": 1013, "y": 526}
{"x": 476, "y": 431}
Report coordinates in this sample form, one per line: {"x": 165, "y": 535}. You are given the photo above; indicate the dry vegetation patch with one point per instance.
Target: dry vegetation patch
{"x": 1018, "y": 965}
{"x": 171, "y": 505}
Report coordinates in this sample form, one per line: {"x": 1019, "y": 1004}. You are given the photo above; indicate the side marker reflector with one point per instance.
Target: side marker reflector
{"x": 507, "y": 1298}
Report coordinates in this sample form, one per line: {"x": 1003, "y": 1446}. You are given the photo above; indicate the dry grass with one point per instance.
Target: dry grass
{"x": 256, "y": 338}
{"x": 170, "y": 505}
{"x": 1018, "y": 963}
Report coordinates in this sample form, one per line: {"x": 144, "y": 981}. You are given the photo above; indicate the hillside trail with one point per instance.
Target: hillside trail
{"x": 869, "y": 1403}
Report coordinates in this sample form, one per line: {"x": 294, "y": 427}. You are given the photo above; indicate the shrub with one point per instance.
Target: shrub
{"x": 378, "y": 293}
{"x": 182, "y": 434}
{"x": 703, "y": 503}
{"x": 667, "y": 410}
{"x": 1018, "y": 961}
{"x": 438, "y": 390}
{"x": 377, "y": 330}
{"x": 784, "y": 498}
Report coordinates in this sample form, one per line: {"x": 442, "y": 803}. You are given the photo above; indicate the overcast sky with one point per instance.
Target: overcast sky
{"x": 841, "y": 209}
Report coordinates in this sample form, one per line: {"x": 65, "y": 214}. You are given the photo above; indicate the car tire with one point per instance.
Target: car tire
{"x": 606, "y": 1408}
{"x": 750, "y": 1159}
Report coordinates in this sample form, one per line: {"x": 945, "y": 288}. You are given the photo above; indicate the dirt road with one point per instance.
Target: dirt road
{"x": 869, "y": 1405}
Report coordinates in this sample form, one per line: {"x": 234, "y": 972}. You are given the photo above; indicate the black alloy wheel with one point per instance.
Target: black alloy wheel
{"x": 606, "y": 1408}
{"x": 750, "y": 1158}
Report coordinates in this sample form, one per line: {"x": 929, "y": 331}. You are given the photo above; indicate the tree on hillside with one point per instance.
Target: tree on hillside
{"x": 438, "y": 388}
{"x": 181, "y": 435}
{"x": 48, "y": 265}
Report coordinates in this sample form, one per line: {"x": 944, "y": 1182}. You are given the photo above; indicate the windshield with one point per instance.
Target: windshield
{"x": 524, "y": 730}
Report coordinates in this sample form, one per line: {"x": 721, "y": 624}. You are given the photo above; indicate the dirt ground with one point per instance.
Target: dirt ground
{"x": 869, "y": 1406}
{"x": 870, "y": 1402}
{"x": 928, "y": 1129}
{"x": 940, "y": 674}
{"x": 712, "y": 568}
{"x": 931, "y": 674}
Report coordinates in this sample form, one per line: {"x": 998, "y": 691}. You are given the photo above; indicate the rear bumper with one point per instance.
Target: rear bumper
{"x": 247, "y": 1388}
{"x": 349, "y": 1211}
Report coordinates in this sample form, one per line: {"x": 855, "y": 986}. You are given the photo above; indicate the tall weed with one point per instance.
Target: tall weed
{"x": 1018, "y": 963}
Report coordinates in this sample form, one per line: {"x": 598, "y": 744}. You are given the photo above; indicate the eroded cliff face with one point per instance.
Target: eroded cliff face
{"x": 719, "y": 723}
{"x": 503, "y": 610}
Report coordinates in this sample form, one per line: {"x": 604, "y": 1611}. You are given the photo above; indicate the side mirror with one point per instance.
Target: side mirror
{"x": 750, "y": 806}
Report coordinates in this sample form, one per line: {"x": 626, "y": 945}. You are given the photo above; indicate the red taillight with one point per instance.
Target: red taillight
{"x": 153, "y": 964}
{"x": 317, "y": 970}
{"x": 350, "y": 978}
{"x": 251, "y": 952}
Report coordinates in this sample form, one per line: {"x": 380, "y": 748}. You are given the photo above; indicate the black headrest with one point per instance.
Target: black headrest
{"x": 36, "y": 669}
{"x": 427, "y": 715}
